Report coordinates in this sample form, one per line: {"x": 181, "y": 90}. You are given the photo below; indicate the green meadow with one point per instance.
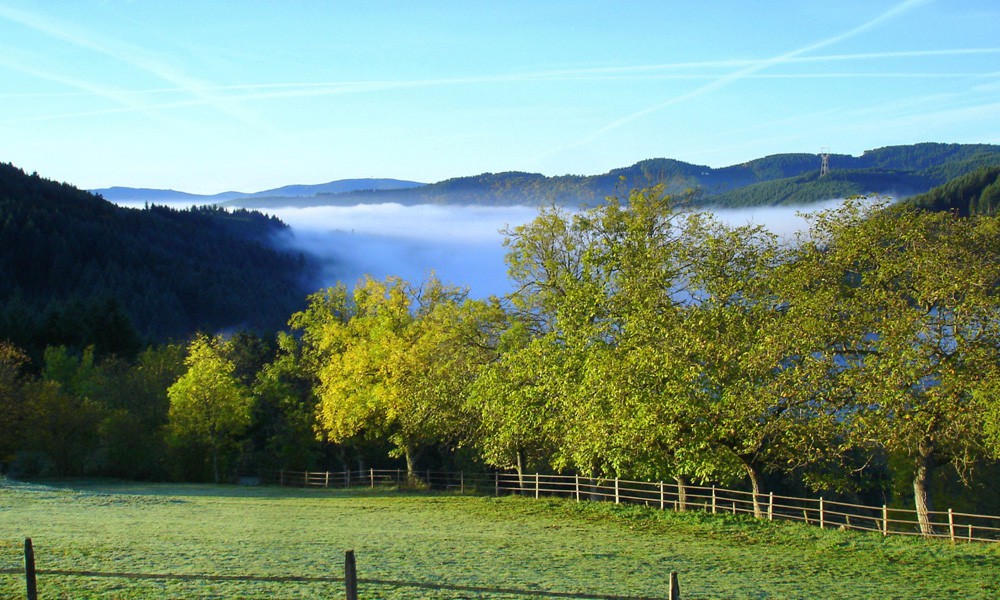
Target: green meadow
{"x": 549, "y": 545}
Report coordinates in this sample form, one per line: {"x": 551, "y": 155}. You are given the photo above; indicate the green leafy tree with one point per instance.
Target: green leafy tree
{"x": 513, "y": 399}
{"x": 13, "y": 409}
{"x": 395, "y": 362}
{"x": 135, "y": 394}
{"x": 747, "y": 403}
{"x": 910, "y": 303}
{"x": 599, "y": 291}
{"x": 209, "y": 407}
{"x": 284, "y": 418}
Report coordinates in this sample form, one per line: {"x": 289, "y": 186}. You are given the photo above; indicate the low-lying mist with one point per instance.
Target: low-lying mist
{"x": 462, "y": 245}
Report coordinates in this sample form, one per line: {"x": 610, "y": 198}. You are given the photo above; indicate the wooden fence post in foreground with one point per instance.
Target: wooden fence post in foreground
{"x": 350, "y": 575}
{"x": 885, "y": 520}
{"x": 29, "y": 570}
{"x": 675, "y": 588}
{"x": 951, "y": 525}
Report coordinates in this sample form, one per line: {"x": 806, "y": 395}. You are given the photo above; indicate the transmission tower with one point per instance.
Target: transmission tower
{"x": 824, "y": 168}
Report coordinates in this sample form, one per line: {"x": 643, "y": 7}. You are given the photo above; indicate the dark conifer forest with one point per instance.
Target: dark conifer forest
{"x": 76, "y": 270}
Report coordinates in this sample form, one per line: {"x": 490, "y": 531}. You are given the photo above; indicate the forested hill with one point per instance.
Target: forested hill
{"x": 772, "y": 180}
{"x": 977, "y": 193}
{"x": 77, "y": 270}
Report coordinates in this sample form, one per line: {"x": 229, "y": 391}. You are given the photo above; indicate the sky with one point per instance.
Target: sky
{"x": 206, "y": 97}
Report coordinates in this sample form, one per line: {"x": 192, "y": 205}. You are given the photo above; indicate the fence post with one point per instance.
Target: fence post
{"x": 326, "y": 479}
{"x": 822, "y": 520}
{"x": 675, "y": 588}
{"x": 536, "y": 486}
{"x": 713, "y": 499}
{"x": 497, "y": 483}
{"x": 885, "y": 520}
{"x": 305, "y": 481}
{"x": 951, "y": 525}
{"x": 29, "y": 570}
{"x": 350, "y": 575}
{"x": 461, "y": 482}
{"x": 371, "y": 477}
{"x": 576, "y": 484}
{"x": 770, "y": 506}
{"x": 617, "y": 497}
{"x": 661, "y": 495}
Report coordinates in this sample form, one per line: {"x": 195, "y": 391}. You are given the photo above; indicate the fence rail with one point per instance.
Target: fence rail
{"x": 949, "y": 524}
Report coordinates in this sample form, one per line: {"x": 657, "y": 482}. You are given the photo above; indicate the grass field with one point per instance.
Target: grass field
{"x": 550, "y": 545}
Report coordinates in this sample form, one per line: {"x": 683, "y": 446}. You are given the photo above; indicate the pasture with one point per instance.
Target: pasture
{"x": 511, "y": 542}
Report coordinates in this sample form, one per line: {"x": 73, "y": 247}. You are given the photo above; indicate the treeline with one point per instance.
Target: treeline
{"x": 651, "y": 343}
{"x": 977, "y": 193}
{"x": 82, "y": 414}
{"x": 76, "y": 270}
{"x": 768, "y": 181}
{"x": 643, "y": 341}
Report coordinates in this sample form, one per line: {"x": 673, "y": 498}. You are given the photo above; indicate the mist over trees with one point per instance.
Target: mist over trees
{"x": 643, "y": 340}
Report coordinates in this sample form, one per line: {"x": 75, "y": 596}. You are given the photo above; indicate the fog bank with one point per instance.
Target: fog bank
{"x": 462, "y": 245}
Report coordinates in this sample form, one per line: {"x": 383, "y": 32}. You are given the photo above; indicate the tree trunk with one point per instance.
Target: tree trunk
{"x": 755, "y": 486}
{"x": 921, "y": 478}
{"x": 215, "y": 463}
{"x": 411, "y": 454}
{"x": 520, "y": 469}
{"x": 681, "y": 493}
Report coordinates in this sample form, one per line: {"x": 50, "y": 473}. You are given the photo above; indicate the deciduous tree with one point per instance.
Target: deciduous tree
{"x": 208, "y": 404}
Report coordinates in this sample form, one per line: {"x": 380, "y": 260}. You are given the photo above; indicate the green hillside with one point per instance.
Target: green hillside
{"x": 975, "y": 193}
{"x": 78, "y": 270}
{"x": 771, "y": 180}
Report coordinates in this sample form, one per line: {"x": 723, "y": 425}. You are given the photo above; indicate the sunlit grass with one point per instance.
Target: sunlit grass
{"x": 552, "y": 545}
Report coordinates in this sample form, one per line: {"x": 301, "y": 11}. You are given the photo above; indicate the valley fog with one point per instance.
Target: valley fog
{"x": 462, "y": 245}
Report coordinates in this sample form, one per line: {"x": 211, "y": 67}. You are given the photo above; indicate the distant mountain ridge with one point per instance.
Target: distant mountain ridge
{"x": 779, "y": 179}
{"x": 128, "y": 194}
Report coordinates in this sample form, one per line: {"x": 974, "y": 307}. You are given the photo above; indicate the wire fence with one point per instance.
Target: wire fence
{"x": 350, "y": 581}
{"x": 824, "y": 513}
{"x": 951, "y": 525}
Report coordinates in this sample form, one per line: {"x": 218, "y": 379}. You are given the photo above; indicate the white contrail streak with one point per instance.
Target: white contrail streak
{"x": 129, "y": 54}
{"x": 753, "y": 68}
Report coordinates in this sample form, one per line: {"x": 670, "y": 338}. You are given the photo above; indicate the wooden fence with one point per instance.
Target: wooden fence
{"x": 824, "y": 513}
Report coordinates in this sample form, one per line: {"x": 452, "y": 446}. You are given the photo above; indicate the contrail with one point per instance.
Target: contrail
{"x": 129, "y": 54}
{"x": 319, "y": 88}
{"x": 746, "y": 72}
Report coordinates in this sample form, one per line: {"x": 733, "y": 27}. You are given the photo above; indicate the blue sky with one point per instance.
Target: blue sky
{"x": 212, "y": 96}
